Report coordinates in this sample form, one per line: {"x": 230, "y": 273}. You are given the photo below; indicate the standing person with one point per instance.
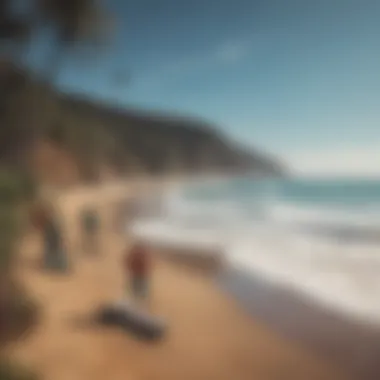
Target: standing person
{"x": 39, "y": 216}
{"x": 54, "y": 252}
{"x": 40, "y": 220}
{"x": 139, "y": 267}
{"x": 90, "y": 230}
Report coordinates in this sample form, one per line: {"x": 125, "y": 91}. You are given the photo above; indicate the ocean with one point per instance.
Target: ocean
{"x": 318, "y": 237}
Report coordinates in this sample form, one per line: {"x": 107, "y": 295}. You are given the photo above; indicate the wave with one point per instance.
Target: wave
{"x": 360, "y": 221}
{"x": 329, "y": 253}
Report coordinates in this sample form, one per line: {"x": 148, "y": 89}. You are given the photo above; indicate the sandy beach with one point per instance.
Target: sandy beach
{"x": 210, "y": 335}
{"x": 351, "y": 344}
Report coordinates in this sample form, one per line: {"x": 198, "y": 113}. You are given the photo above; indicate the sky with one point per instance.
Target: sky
{"x": 297, "y": 78}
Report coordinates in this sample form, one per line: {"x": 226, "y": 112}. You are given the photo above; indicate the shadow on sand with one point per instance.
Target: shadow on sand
{"x": 110, "y": 317}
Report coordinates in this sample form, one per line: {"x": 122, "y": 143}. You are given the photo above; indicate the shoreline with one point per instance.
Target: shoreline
{"x": 330, "y": 333}
{"x": 341, "y": 339}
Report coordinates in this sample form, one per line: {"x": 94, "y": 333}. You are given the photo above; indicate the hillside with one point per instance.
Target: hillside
{"x": 75, "y": 134}
{"x": 160, "y": 142}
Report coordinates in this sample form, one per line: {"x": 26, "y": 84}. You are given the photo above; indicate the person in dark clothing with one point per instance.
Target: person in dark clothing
{"x": 90, "y": 230}
{"x": 54, "y": 253}
{"x": 138, "y": 267}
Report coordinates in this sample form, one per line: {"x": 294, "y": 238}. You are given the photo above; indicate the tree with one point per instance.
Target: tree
{"x": 14, "y": 32}
{"x": 17, "y": 312}
{"x": 74, "y": 22}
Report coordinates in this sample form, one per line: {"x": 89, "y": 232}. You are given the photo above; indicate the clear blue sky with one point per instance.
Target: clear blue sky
{"x": 300, "y": 78}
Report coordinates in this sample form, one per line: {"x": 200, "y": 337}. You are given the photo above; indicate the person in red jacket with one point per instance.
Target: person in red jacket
{"x": 39, "y": 216}
{"x": 138, "y": 266}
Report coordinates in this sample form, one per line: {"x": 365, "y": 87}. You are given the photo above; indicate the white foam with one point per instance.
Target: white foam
{"x": 159, "y": 232}
{"x": 359, "y": 218}
{"x": 329, "y": 274}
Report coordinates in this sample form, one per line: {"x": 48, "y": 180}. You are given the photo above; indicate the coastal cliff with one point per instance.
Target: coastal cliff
{"x": 87, "y": 139}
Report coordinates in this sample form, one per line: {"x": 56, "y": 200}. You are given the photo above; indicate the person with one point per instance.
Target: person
{"x": 139, "y": 266}
{"x": 39, "y": 216}
{"x": 47, "y": 222}
{"x": 90, "y": 224}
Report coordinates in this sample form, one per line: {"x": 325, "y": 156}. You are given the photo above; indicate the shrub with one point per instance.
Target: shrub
{"x": 13, "y": 371}
{"x": 19, "y": 315}
{"x": 17, "y": 311}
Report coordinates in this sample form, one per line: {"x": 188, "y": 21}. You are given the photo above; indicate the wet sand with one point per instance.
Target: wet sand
{"x": 210, "y": 336}
{"x": 352, "y": 345}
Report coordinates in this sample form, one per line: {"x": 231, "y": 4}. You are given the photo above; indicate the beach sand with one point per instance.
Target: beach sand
{"x": 210, "y": 336}
{"x": 348, "y": 342}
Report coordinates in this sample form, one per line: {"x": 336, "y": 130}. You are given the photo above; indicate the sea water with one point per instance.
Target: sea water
{"x": 319, "y": 237}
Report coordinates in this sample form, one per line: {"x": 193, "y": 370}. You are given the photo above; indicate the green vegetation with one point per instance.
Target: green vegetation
{"x": 12, "y": 371}
{"x": 18, "y": 312}
{"x": 29, "y": 112}
{"x": 16, "y": 190}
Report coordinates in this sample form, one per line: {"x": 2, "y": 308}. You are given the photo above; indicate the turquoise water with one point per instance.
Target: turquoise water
{"x": 319, "y": 192}
{"x": 345, "y": 205}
